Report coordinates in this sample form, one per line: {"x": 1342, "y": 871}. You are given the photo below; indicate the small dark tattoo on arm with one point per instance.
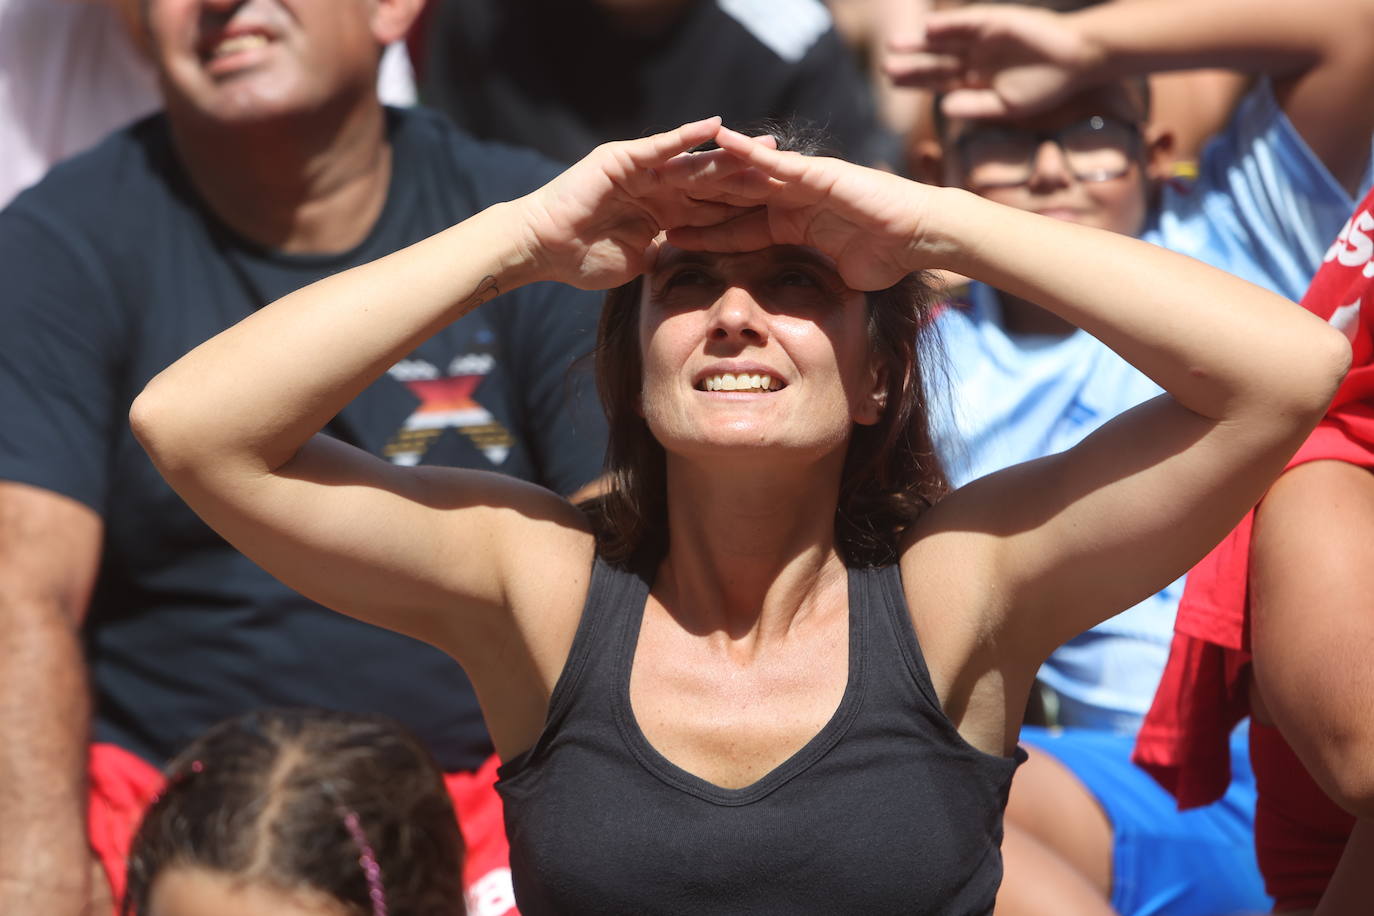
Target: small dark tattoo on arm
{"x": 485, "y": 292}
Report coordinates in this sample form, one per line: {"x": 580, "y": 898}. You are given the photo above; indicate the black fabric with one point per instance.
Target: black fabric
{"x": 113, "y": 270}
{"x": 886, "y": 810}
{"x": 557, "y": 75}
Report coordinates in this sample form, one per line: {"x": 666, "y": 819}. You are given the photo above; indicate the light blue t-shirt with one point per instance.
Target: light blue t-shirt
{"x": 1263, "y": 207}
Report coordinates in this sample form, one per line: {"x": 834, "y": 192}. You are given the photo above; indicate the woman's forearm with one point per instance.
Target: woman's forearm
{"x": 253, "y": 394}
{"x": 1220, "y": 345}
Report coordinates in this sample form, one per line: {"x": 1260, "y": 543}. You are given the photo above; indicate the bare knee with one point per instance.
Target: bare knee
{"x": 1053, "y": 807}
{"x": 1037, "y": 881}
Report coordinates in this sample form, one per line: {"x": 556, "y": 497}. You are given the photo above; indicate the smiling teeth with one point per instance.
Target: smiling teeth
{"x": 729, "y": 382}
{"x": 239, "y": 43}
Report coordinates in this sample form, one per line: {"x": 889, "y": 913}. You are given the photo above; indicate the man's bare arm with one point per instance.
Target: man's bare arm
{"x": 49, "y": 555}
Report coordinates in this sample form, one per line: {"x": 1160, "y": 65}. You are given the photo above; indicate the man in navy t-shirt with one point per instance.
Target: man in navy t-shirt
{"x": 126, "y": 625}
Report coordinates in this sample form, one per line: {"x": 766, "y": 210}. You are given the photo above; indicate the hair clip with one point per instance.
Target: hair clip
{"x": 367, "y": 860}
{"x": 196, "y": 767}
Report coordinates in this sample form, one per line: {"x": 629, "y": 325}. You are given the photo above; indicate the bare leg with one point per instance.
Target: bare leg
{"x": 1312, "y": 623}
{"x": 1312, "y": 633}
{"x": 1038, "y": 882}
{"x": 1058, "y": 846}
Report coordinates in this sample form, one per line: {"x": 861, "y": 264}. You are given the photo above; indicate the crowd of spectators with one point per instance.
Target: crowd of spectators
{"x": 168, "y": 168}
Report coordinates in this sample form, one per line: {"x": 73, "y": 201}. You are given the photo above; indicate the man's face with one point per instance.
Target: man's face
{"x": 1088, "y": 160}
{"x": 246, "y": 61}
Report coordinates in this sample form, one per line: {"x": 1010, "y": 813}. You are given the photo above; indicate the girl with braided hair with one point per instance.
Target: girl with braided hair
{"x": 299, "y": 812}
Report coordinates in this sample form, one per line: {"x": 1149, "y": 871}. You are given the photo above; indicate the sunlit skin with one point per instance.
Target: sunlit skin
{"x": 190, "y": 891}
{"x": 273, "y": 111}
{"x": 737, "y": 457}
{"x": 782, "y": 312}
{"x": 1118, "y": 204}
{"x": 311, "y": 49}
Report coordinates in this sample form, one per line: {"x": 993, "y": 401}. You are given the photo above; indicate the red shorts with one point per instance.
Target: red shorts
{"x": 1300, "y": 833}
{"x": 122, "y": 785}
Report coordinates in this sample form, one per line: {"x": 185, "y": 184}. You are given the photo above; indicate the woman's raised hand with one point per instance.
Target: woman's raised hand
{"x": 596, "y": 225}
{"x": 869, "y": 222}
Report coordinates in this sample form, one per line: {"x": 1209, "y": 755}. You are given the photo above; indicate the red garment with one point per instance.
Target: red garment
{"x": 122, "y": 786}
{"x": 486, "y": 868}
{"x": 1204, "y": 690}
{"x": 1300, "y": 832}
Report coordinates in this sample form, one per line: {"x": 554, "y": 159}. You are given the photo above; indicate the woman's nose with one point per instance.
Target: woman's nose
{"x": 737, "y": 315}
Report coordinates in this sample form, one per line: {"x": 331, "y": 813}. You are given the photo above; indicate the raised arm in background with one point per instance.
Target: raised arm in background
{"x": 995, "y": 60}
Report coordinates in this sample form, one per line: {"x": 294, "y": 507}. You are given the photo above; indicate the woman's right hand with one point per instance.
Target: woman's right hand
{"x": 596, "y": 225}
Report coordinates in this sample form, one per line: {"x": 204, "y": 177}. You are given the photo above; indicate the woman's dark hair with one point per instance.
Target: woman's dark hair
{"x": 350, "y": 806}
{"x": 891, "y": 472}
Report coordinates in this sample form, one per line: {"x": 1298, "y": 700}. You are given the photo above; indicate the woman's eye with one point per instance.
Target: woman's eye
{"x": 795, "y": 278}
{"x": 687, "y": 277}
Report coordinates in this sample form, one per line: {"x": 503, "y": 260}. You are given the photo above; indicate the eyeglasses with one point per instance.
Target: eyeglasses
{"x": 1095, "y": 149}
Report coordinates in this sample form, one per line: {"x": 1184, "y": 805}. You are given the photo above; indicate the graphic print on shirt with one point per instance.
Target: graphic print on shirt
{"x": 447, "y": 402}
{"x": 1354, "y": 247}
{"x": 1346, "y": 319}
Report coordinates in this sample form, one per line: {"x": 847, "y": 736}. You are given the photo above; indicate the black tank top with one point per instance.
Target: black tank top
{"x": 886, "y": 810}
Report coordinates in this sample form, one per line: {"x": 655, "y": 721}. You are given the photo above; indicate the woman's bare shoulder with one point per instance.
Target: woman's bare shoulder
{"x": 950, "y": 579}
{"x": 550, "y": 549}
{"x": 542, "y": 550}
{"x": 957, "y": 595}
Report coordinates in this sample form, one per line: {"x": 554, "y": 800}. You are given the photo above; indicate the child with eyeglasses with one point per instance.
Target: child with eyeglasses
{"x": 1048, "y": 110}
{"x": 299, "y": 812}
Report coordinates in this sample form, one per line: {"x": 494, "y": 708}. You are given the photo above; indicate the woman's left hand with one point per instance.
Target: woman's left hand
{"x": 869, "y": 222}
